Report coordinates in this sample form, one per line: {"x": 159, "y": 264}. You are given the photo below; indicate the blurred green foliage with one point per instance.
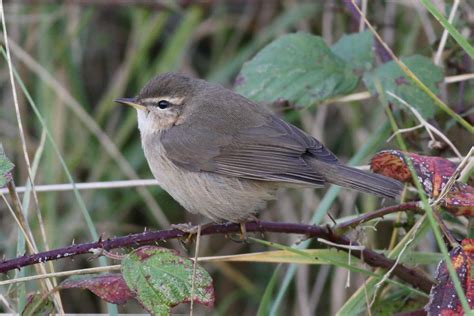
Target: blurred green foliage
{"x": 75, "y": 59}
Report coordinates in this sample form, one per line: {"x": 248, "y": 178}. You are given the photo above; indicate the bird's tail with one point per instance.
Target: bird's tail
{"x": 360, "y": 180}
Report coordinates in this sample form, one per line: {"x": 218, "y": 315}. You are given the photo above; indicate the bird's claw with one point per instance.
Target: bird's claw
{"x": 186, "y": 228}
{"x": 242, "y": 237}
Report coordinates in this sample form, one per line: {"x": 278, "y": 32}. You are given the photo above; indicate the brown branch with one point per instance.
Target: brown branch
{"x": 405, "y": 207}
{"x": 412, "y": 276}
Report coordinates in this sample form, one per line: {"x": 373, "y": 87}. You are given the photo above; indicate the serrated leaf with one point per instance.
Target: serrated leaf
{"x": 393, "y": 79}
{"x": 443, "y": 297}
{"x": 161, "y": 279}
{"x": 110, "y": 287}
{"x": 356, "y": 50}
{"x": 298, "y": 68}
{"x": 6, "y": 166}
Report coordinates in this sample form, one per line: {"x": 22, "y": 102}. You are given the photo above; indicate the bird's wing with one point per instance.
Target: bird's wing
{"x": 271, "y": 150}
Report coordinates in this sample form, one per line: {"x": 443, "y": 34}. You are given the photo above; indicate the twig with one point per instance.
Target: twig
{"x": 429, "y": 128}
{"x": 406, "y": 207}
{"x": 404, "y": 130}
{"x": 372, "y": 258}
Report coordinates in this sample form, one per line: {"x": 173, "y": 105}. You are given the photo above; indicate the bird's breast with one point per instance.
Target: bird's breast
{"x": 215, "y": 196}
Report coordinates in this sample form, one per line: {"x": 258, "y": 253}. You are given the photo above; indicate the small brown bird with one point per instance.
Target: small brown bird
{"x": 223, "y": 156}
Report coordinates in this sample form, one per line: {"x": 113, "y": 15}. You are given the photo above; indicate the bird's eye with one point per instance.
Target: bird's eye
{"x": 163, "y": 104}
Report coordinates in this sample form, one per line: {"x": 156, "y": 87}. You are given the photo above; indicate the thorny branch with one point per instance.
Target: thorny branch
{"x": 410, "y": 275}
{"x": 405, "y": 207}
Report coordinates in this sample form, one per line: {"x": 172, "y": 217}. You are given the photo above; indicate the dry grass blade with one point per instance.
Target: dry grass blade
{"x": 22, "y": 224}
{"x": 25, "y": 228}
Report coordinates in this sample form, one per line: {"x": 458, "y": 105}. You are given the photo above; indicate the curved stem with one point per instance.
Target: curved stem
{"x": 414, "y": 277}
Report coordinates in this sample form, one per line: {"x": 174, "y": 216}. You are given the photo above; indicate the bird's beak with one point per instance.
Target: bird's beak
{"x": 130, "y": 102}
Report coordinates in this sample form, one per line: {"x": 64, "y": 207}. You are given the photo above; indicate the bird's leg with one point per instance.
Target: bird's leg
{"x": 242, "y": 235}
{"x": 243, "y": 231}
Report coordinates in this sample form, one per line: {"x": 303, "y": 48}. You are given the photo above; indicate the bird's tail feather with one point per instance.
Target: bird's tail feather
{"x": 360, "y": 180}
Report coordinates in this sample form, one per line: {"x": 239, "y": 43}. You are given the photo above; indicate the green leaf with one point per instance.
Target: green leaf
{"x": 285, "y": 20}
{"x": 356, "y": 50}
{"x": 5, "y": 167}
{"x": 393, "y": 79}
{"x": 298, "y": 68}
{"x": 161, "y": 279}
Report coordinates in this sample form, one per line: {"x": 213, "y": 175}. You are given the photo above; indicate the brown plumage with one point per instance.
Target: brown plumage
{"x": 220, "y": 154}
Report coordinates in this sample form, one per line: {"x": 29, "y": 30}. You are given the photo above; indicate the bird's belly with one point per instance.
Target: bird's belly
{"x": 218, "y": 197}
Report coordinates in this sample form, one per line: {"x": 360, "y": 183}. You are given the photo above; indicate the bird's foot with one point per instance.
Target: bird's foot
{"x": 186, "y": 228}
{"x": 243, "y": 232}
{"x": 242, "y": 235}
{"x": 190, "y": 230}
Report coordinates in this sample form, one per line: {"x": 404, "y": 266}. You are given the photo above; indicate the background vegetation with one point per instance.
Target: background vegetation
{"x": 75, "y": 58}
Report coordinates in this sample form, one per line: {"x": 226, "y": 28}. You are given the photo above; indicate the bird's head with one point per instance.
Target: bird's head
{"x": 162, "y": 101}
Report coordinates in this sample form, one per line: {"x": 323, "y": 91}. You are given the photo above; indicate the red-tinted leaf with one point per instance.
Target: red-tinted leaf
{"x": 109, "y": 287}
{"x": 443, "y": 297}
{"x": 433, "y": 172}
{"x": 460, "y": 200}
{"x": 391, "y": 163}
